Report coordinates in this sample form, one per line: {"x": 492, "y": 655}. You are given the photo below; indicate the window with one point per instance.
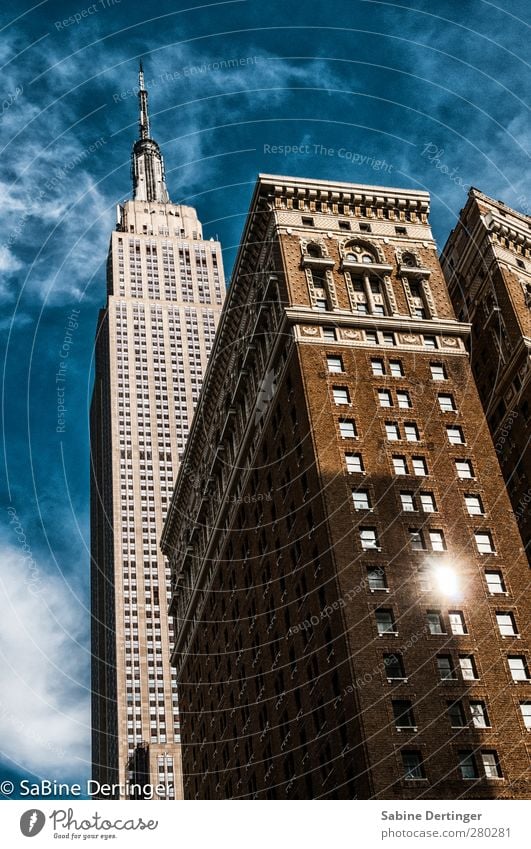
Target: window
{"x": 408, "y": 504}
{"x": 335, "y": 364}
{"x": 376, "y": 578}
{"x": 377, "y": 367}
{"x": 464, "y": 469}
{"x": 307, "y": 221}
{"x": 368, "y": 538}
{"x": 399, "y": 465}
{"x": 435, "y": 623}
{"x": 484, "y": 542}
{"x": 321, "y": 303}
{"x": 344, "y": 225}
{"x": 419, "y": 467}
{"x": 412, "y": 764}
{"x": 455, "y": 435}
{"x": 384, "y": 397}
{"x": 525, "y": 707}
{"x": 445, "y": 666}
{"x": 388, "y": 337}
{"x": 467, "y": 765}
{"x": 446, "y": 403}
{"x": 347, "y": 429}
{"x": 394, "y": 666}
{"x": 457, "y": 622}
{"x": 411, "y": 431}
{"x": 437, "y": 540}
{"x": 468, "y": 667}
{"x": 427, "y": 502}
{"x": 403, "y": 713}
{"x": 329, "y": 333}
{"x": 430, "y": 342}
{"x": 491, "y": 765}
{"x": 506, "y": 624}
{"x": 371, "y": 337}
{"x": 518, "y": 667}
{"x": 474, "y": 505}
{"x": 365, "y": 227}
{"x": 400, "y": 231}
{"x": 404, "y": 401}
{"x": 480, "y": 717}
{"x": 456, "y": 714}
{"x": 361, "y": 499}
{"x": 438, "y": 372}
{"x": 341, "y": 395}
{"x": 354, "y": 462}
{"x": 392, "y": 432}
{"x": 395, "y": 368}
{"x": 495, "y": 583}
{"x": 385, "y": 622}
{"x": 416, "y": 539}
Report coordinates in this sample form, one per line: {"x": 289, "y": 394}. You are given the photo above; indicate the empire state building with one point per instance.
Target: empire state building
{"x": 165, "y": 289}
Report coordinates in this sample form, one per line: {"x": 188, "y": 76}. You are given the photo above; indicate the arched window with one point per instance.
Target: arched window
{"x": 409, "y": 260}
{"x": 314, "y": 250}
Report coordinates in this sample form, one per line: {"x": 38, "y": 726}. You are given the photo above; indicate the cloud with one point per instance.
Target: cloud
{"x": 44, "y": 699}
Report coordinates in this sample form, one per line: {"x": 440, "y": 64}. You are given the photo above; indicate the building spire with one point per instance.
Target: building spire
{"x": 147, "y": 164}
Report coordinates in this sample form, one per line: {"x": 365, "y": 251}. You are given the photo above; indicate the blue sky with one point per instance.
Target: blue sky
{"x": 413, "y": 94}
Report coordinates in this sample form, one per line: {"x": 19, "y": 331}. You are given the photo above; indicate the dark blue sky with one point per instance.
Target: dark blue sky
{"x": 413, "y": 94}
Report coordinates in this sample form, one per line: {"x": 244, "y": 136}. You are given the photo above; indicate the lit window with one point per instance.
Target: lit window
{"x": 412, "y": 764}
{"x": 399, "y": 465}
{"x": 419, "y": 467}
{"x": 411, "y": 431}
{"x": 416, "y": 539}
{"x": 437, "y": 371}
{"x": 394, "y": 667}
{"x": 445, "y": 667}
{"x": 385, "y": 398}
{"x": 361, "y": 499}
{"x": 341, "y": 395}
{"x": 525, "y": 707}
{"x": 484, "y": 542}
{"x": 435, "y": 624}
{"x": 427, "y": 502}
{"x": 446, "y": 403}
{"x": 354, "y": 462}
{"x": 376, "y": 578}
{"x": 456, "y": 714}
{"x": 495, "y": 582}
{"x": 464, "y": 469}
{"x": 480, "y": 717}
{"x": 395, "y": 368}
{"x": 408, "y": 504}
{"x": 467, "y": 765}
{"x": 474, "y": 505}
{"x": 392, "y": 432}
{"x": 377, "y": 367}
{"x": 347, "y": 429}
{"x": 335, "y": 364}
{"x": 491, "y": 765}
{"x": 403, "y": 713}
{"x": 437, "y": 541}
{"x": 385, "y": 622}
{"x": 404, "y": 401}
{"x": 506, "y": 624}
{"x": 457, "y": 622}
{"x": 455, "y": 435}
{"x": 368, "y": 538}
{"x": 518, "y": 667}
{"x": 468, "y": 667}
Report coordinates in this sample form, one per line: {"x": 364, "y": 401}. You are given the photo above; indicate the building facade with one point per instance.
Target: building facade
{"x": 348, "y": 580}
{"x": 487, "y": 264}
{"x": 165, "y": 289}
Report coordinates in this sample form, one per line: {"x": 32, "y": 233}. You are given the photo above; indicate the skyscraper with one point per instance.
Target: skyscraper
{"x": 349, "y": 583}
{"x": 165, "y": 289}
{"x": 487, "y": 263}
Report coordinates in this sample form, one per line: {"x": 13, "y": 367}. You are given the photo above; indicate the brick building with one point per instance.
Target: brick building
{"x": 487, "y": 264}
{"x": 347, "y": 574}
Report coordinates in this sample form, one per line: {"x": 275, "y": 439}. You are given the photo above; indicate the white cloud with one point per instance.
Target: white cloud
{"x": 44, "y": 700}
